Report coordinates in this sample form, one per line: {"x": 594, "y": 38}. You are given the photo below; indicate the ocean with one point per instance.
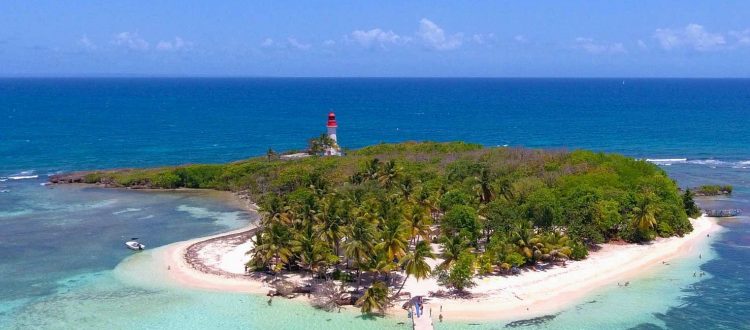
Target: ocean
{"x": 61, "y": 246}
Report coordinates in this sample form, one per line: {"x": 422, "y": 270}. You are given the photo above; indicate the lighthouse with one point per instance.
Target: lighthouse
{"x": 333, "y": 150}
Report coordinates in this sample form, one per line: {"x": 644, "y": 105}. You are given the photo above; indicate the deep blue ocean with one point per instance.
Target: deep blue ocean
{"x": 57, "y": 243}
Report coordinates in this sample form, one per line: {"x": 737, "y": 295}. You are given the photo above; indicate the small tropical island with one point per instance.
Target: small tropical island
{"x": 465, "y": 231}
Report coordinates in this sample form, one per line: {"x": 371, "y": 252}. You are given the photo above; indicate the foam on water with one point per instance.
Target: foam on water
{"x": 127, "y": 210}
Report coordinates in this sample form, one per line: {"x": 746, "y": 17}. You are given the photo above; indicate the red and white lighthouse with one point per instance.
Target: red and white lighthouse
{"x": 332, "y": 125}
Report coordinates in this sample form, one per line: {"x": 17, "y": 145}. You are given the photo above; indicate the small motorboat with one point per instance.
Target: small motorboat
{"x": 135, "y": 245}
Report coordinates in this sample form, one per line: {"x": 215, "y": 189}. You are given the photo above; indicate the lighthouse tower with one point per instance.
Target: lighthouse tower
{"x": 334, "y": 150}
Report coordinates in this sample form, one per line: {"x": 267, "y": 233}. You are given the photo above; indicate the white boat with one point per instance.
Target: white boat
{"x": 134, "y": 245}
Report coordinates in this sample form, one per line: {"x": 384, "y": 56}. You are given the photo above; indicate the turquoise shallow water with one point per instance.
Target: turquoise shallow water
{"x": 60, "y": 246}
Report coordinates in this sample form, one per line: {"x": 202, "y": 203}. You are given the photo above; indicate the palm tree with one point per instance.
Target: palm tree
{"x": 312, "y": 252}
{"x": 482, "y": 187}
{"x": 644, "y": 217}
{"x": 380, "y": 264}
{"x": 374, "y": 298}
{"x": 389, "y": 173}
{"x": 452, "y": 247}
{"x": 393, "y": 239}
{"x": 418, "y": 222}
{"x": 415, "y": 263}
{"x": 275, "y": 246}
{"x": 407, "y": 185}
{"x": 358, "y": 244}
{"x": 506, "y": 188}
{"x": 332, "y": 223}
{"x": 372, "y": 169}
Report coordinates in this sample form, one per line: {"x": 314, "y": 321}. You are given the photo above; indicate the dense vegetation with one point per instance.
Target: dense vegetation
{"x": 713, "y": 190}
{"x": 490, "y": 210}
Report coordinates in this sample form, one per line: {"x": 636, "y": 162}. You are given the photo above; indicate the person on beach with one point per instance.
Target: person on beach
{"x": 441, "y": 317}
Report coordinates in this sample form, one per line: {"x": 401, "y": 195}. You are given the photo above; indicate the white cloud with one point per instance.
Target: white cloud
{"x": 290, "y": 43}
{"x": 174, "y": 45}
{"x": 594, "y": 47}
{"x": 641, "y": 44}
{"x": 130, "y": 40}
{"x": 692, "y": 36}
{"x": 520, "y": 39}
{"x": 297, "y": 45}
{"x": 743, "y": 37}
{"x": 268, "y": 42}
{"x": 482, "y": 39}
{"x": 86, "y": 43}
{"x": 376, "y": 38}
{"x": 435, "y": 38}
{"x": 329, "y": 43}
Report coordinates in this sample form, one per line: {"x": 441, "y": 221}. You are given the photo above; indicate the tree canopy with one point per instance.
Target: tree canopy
{"x": 375, "y": 210}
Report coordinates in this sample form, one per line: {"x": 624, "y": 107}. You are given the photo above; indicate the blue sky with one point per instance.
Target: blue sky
{"x": 376, "y": 38}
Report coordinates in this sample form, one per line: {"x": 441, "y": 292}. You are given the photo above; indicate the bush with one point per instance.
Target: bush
{"x": 515, "y": 259}
{"x": 578, "y": 251}
{"x": 454, "y": 198}
{"x": 462, "y": 220}
{"x": 461, "y": 273}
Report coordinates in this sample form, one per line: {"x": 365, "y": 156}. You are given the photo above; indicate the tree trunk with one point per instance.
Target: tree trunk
{"x": 402, "y": 286}
{"x": 359, "y": 278}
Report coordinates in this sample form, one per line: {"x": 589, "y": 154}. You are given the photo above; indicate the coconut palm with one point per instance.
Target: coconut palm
{"x": 275, "y": 246}
{"x": 453, "y": 246}
{"x": 644, "y": 217}
{"x": 482, "y": 187}
{"x": 358, "y": 244}
{"x": 389, "y": 173}
{"x": 312, "y": 252}
{"x": 415, "y": 263}
{"x": 407, "y": 185}
{"x": 418, "y": 222}
{"x": 394, "y": 237}
{"x": 372, "y": 169}
{"x": 374, "y": 298}
{"x": 332, "y": 221}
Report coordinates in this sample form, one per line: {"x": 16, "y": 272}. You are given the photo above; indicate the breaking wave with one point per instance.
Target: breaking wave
{"x": 713, "y": 163}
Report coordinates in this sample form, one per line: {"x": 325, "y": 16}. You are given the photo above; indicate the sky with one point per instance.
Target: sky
{"x": 375, "y": 38}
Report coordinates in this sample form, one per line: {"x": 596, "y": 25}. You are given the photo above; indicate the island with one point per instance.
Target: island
{"x": 450, "y": 230}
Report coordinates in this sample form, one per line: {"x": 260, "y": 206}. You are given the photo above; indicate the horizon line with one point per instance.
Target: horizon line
{"x": 141, "y": 76}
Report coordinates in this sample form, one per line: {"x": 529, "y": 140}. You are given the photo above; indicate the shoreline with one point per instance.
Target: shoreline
{"x": 213, "y": 263}
{"x": 539, "y": 293}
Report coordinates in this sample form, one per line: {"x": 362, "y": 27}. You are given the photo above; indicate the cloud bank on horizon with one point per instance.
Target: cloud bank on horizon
{"x": 419, "y": 41}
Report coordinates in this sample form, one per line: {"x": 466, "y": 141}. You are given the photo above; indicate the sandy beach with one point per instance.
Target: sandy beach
{"x": 216, "y": 263}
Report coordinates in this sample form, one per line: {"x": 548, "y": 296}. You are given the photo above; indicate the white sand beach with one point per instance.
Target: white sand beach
{"x": 216, "y": 263}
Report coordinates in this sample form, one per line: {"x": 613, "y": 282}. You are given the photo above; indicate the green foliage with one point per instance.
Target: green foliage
{"x": 318, "y": 145}
{"x": 713, "y": 190}
{"x": 455, "y": 198}
{"x": 417, "y": 147}
{"x": 578, "y": 251}
{"x": 460, "y": 276}
{"x": 375, "y": 299}
{"x": 515, "y": 259}
{"x": 462, "y": 221}
{"x": 374, "y": 210}
{"x": 691, "y": 208}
